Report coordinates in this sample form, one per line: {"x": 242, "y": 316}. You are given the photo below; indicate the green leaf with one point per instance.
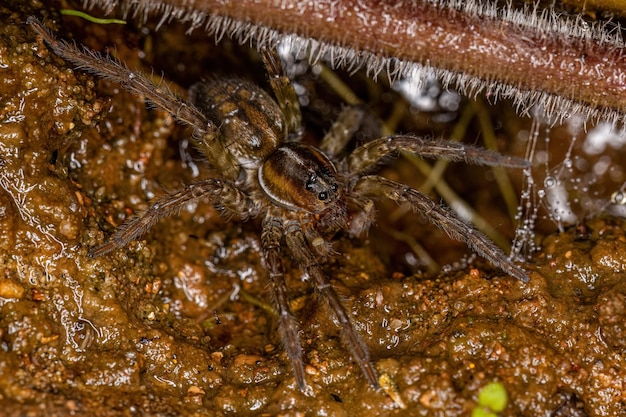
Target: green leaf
{"x": 493, "y": 396}
{"x": 482, "y": 412}
{"x": 70, "y": 12}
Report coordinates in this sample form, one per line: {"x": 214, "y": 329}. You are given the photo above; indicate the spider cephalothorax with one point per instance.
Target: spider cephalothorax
{"x": 300, "y": 177}
{"x": 303, "y": 195}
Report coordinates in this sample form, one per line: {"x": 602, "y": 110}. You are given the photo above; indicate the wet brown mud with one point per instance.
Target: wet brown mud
{"x": 180, "y": 323}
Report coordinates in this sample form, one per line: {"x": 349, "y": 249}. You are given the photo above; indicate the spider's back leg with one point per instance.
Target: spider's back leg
{"x": 283, "y": 91}
{"x": 228, "y": 199}
{"x": 342, "y": 130}
{"x": 133, "y": 81}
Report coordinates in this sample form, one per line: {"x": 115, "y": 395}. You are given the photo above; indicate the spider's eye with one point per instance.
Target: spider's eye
{"x": 322, "y": 196}
{"x": 310, "y": 183}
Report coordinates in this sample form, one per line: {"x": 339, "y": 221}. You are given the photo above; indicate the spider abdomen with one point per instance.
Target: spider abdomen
{"x": 300, "y": 177}
{"x": 239, "y": 110}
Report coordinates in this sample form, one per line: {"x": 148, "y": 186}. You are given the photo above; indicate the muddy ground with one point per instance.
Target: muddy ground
{"x": 180, "y": 321}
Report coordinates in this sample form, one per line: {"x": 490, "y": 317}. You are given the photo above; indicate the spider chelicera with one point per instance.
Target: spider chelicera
{"x": 302, "y": 195}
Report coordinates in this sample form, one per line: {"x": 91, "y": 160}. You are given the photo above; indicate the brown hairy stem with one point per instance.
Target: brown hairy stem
{"x": 562, "y": 64}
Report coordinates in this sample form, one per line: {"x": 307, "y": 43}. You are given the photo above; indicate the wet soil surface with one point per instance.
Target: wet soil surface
{"x": 180, "y": 323}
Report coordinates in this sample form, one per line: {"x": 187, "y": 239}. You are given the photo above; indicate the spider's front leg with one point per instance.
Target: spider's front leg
{"x": 271, "y": 237}
{"x": 367, "y": 155}
{"x": 299, "y": 248}
{"x": 227, "y": 199}
{"x": 375, "y": 186}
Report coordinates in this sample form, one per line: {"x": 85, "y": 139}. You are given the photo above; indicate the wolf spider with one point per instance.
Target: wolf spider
{"x": 302, "y": 195}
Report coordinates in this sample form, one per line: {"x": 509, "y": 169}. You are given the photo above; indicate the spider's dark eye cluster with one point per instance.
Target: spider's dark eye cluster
{"x": 313, "y": 183}
{"x": 300, "y": 177}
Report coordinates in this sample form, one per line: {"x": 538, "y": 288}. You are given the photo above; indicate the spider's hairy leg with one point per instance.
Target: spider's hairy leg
{"x": 228, "y": 199}
{"x": 367, "y": 155}
{"x": 342, "y": 130}
{"x": 284, "y": 92}
{"x": 135, "y": 82}
{"x": 271, "y": 237}
{"x": 363, "y": 216}
{"x": 299, "y": 248}
{"x": 376, "y": 186}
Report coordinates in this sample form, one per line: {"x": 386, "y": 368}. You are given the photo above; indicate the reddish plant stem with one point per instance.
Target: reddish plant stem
{"x": 486, "y": 54}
